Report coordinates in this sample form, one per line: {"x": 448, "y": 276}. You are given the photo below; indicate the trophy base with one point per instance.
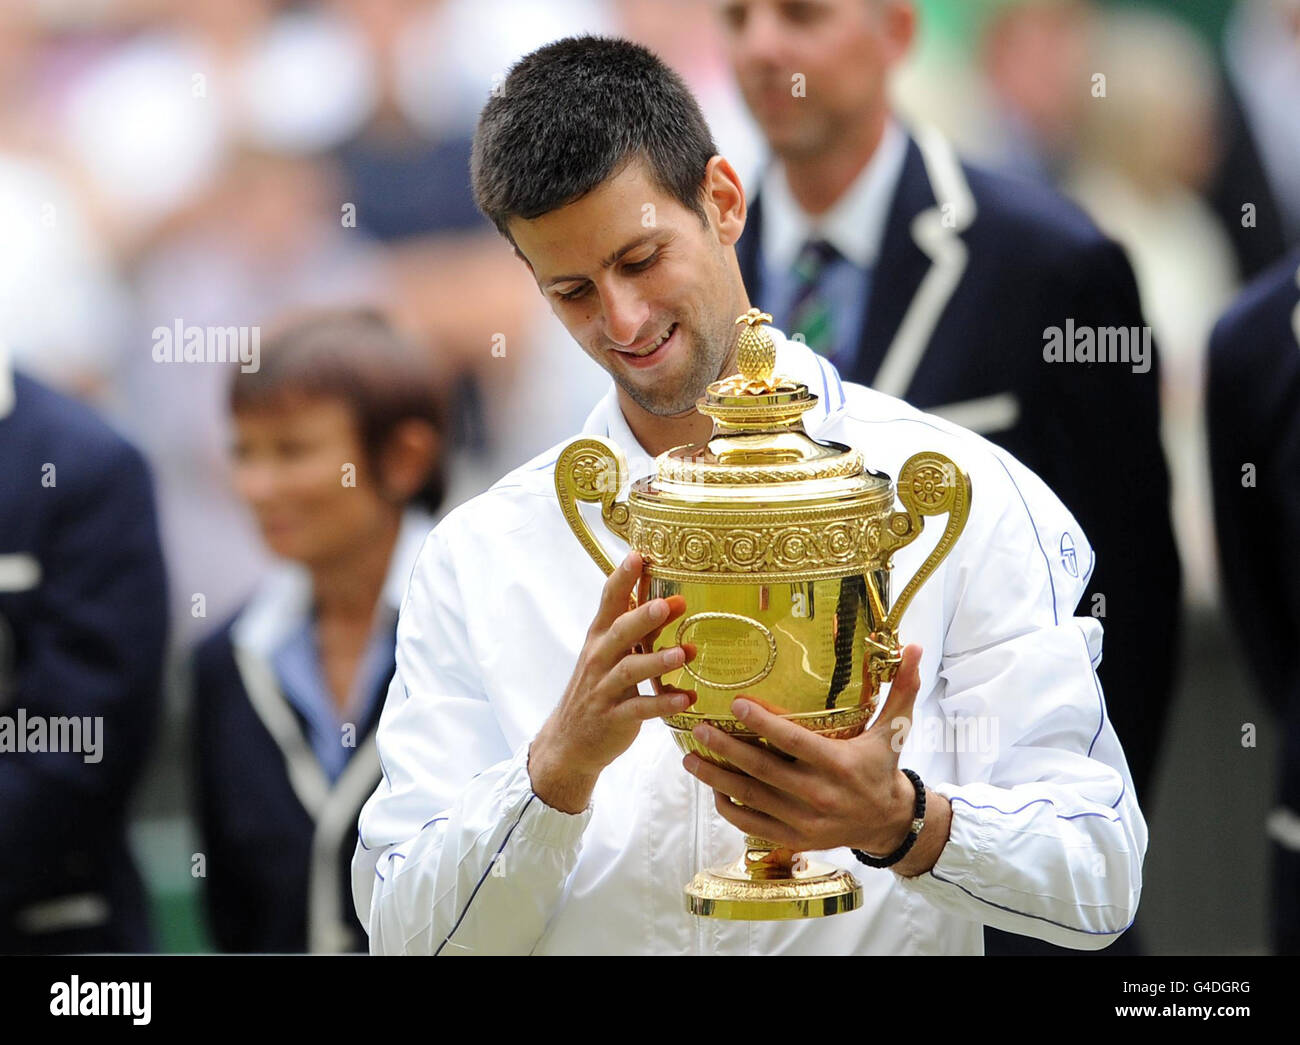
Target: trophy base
{"x": 816, "y": 891}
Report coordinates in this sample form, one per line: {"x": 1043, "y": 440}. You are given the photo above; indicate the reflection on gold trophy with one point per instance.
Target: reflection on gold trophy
{"x": 781, "y": 546}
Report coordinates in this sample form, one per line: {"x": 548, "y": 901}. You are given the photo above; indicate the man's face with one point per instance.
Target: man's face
{"x": 812, "y": 71}
{"x": 625, "y": 265}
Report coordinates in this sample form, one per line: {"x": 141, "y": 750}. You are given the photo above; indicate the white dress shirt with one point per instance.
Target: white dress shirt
{"x": 457, "y": 855}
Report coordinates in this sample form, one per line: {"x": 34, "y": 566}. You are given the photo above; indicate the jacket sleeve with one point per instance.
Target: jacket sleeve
{"x": 455, "y": 853}
{"x": 1047, "y": 839}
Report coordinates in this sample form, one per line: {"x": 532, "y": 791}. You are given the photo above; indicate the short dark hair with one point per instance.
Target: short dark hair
{"x": 354, "y": 355}
{"x": 571, "y": 114}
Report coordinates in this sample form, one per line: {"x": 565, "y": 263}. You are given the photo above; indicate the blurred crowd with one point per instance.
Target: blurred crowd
{"x": 167, "y": 164}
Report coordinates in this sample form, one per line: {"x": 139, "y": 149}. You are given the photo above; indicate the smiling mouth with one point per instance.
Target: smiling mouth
{"x": 652, "y": 348}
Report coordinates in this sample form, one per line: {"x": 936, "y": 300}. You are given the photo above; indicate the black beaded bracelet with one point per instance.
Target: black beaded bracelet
{"x": 918, "y": 822}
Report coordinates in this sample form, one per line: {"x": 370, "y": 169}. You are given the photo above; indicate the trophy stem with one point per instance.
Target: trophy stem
{"x": 767, "y": 860}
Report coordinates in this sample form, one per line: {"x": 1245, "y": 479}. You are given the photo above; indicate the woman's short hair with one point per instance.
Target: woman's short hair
{"x": 353, "y": 355}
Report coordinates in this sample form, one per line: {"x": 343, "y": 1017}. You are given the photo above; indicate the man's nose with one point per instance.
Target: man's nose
{"x": 625, "y": 313}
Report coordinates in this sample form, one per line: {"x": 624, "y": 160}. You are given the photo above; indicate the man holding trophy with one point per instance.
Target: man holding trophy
{"x": 531, "y": 803}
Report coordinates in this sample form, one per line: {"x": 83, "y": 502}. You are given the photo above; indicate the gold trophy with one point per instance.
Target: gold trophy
{"x": 781, "y": 546}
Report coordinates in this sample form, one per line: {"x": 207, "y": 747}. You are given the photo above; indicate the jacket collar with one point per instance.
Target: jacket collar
{"x": 895, "y": 284}
{"x": 6, "y": 381}
{"x": 793, "y": 360}
{"x": 284, "y": 598}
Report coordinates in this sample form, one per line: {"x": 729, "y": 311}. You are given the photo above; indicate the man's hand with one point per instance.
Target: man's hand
{"x": 836, "y": 792}
{"x": 601, "y": 711}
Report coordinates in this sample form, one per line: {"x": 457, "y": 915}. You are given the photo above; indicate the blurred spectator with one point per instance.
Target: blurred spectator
{"x": 1262, "y": 49}
{"x": 940, "y": 283}
{"x": 338, "y": 455}
{"x": 1035, "y": 55}
{"x": 266, "y": 239}
{"x": 62, "y": 305}
{"x": 149, "y": 119}
{"x": 82, "y": 628}
{"x": 404, "y": 179}
{"x": 1254, "y": 430}
{"x": 1147, "y": 152}
{"x": 154, "y": 119}
{"x": 1041, "y": 59}
{"x": 449, "y": 54}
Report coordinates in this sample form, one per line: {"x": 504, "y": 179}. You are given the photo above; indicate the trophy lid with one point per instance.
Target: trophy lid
{"x": 759, "y": 449}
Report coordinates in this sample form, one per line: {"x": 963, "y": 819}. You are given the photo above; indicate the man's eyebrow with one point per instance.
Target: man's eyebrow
{"x": 607, "y": 262}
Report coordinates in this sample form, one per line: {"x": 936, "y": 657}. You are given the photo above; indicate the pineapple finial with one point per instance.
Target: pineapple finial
{"x": 756, "y": 351}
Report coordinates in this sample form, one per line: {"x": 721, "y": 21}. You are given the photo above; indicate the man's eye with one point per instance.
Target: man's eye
{"x": 802, "y": 12}
{"x": 641, "y": 266}
{"x": 573, "y": 295}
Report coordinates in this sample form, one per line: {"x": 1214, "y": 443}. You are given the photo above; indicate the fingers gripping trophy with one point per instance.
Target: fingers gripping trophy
{"x": 781, "y": 547}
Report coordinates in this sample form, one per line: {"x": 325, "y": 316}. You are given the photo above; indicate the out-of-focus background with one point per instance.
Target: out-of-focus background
{"x": 222, "y": 162}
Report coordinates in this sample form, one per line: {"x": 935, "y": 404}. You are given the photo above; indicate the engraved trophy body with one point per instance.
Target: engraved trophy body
{"x": 782, "y": 548}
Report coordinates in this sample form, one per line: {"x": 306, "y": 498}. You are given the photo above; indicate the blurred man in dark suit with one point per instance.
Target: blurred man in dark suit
{"x": 82, "y": 628}
{"x": 966, "y": 293}
{"x": 1253, "y": 402}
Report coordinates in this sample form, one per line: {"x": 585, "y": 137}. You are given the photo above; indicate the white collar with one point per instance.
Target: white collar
{"x": 793, "y": 360}
{"x": 855, "y": 224}
{"x": 282, "y": 601}
{"x": 6, "y": 380}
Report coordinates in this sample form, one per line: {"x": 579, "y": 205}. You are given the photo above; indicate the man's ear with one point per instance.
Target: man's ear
{"x": 725, "y": 196}
{"x": 900, "y": 32}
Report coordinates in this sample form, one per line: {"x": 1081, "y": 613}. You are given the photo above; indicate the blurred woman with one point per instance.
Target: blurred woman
{"x": 1146, "y": 159}
{"x": 337, "y": 453}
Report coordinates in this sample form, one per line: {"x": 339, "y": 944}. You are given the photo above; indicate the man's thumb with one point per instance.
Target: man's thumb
{"x": 896, "y": 715}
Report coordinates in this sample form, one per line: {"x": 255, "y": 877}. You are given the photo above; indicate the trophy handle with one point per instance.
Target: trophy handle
{"x": 592, "y": 469}
{"x": 929, "y": 484}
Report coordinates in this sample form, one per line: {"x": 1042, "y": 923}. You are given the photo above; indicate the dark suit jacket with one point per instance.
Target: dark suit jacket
{"x": 973, "y": 269}
{"x": 1253, "y": 406}
{"x": 279, "y": 850}
{"x": 81, "y": 635}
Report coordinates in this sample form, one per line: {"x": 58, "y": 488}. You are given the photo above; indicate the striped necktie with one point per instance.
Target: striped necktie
{"x": 810, "y": 310}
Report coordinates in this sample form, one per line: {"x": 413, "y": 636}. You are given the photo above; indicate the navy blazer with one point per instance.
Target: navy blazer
{"x": 973, "y": 269}
{"x": 1253, "y": 407}
{"x": 278, "y": 847}
{"x": 83, "y": 615}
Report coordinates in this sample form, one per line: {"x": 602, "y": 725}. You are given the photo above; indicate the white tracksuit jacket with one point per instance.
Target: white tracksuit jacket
{"x": 457, "y": 855}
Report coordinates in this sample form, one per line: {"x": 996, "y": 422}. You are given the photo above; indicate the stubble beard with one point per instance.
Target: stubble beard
{"x": 705, "y": 353}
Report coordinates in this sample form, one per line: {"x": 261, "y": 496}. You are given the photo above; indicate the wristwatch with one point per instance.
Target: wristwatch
{"x": 918, "y": 822}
